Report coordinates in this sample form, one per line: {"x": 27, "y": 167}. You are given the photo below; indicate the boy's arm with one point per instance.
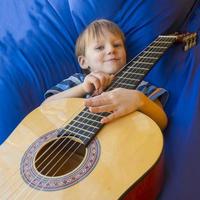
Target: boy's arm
{"x": 154, "y": 110}
{"x": 95, "y": 82}
{"x": 76, "y": 91}
{"x": 122, "y": 101}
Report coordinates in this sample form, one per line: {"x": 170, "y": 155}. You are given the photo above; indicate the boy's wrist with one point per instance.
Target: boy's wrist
{"x": 142, "y": 100}
{"x": 83, "y": 89}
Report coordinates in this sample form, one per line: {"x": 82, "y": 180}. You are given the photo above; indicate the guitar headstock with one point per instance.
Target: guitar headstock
{"x": 189, "y": 40}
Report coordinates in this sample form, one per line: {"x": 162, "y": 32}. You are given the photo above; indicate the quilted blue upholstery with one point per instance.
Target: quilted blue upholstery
{"x": 37, "y": 50}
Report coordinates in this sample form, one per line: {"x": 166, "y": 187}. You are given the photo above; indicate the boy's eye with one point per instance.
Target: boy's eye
{"x": 101, "y": 47}
{"x": 117, "y": 45}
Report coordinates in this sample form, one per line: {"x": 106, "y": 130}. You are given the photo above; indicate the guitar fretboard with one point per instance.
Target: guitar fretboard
{"x": 86, "y": 124}
{"x": 134, "y": 72}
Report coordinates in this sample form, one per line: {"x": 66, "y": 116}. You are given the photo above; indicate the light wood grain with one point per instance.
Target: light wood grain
{"x": 130, "y": 146}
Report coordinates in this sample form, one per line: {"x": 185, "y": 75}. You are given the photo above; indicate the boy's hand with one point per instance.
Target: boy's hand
{"x": 96, "y": 82}
{"x": 119, "y": 102}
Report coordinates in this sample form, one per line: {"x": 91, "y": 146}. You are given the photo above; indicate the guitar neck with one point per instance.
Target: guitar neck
{"x": 86, "y": 124}
{"x": 135, "y": 71}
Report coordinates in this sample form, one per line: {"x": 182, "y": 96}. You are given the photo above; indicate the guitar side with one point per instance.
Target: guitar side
{"x": 130, "y": 147}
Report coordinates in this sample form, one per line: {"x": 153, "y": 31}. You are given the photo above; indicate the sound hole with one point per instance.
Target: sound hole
{"x": 59, "y": 157}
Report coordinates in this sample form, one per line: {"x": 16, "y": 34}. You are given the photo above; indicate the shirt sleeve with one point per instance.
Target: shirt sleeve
{"x": 153, "y": 92}
{"x": 66, "y": 84}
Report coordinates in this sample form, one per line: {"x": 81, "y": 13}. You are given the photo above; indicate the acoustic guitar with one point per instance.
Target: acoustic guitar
{"x": 62, "y": 151}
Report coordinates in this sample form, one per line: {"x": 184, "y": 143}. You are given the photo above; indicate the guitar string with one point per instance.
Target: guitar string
{"x": 73, "y": 152}
{"x": 16, "y": 172}
{"x": 47, "y": 173}
{"x": 140, "y": 59}
{"x": 75, "y": 114}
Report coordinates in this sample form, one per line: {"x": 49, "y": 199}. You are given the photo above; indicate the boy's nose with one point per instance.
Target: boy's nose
{"x": 110, "y": 49}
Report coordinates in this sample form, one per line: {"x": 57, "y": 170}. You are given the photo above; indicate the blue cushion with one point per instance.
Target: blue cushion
{"x": 37, "y": 51}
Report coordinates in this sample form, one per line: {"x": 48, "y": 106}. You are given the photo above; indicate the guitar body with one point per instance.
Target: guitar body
{"x": 124, "y": 161}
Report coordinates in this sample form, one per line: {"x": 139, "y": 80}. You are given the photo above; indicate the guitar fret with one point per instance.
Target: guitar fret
{"x": 128, "y": 81}
{"x": 147, "y": 60}
{"x": 87, "y": 126}
{"x": 94, "y": 122}
{"x": 147, "y": 57}
{"x": 80, "y": 129}
{"x": 138, "y": 68}
{"x": 139, "y": 74}
{"x": 131, "y": 79}
{"x": 75, "y": 134}
{"x": 146, "y": 63}
{"x": 78, "y": 119}
{"x": 98, "y": 116}
{"x": 162, "y": 42}
{"x": 89, "y": 121}
{"x": 95, "y": 114}
{"x": 86, "y": 119}
{"x": 167, "y": 36}
{"x": 127, "y": 85}
{"x": 156, "y": 52}
{"x": 66, "y": 132}
{"x": 158, "y": 47}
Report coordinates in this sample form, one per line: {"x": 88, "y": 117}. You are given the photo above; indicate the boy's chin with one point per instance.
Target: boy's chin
{"x": 114, "y": 70}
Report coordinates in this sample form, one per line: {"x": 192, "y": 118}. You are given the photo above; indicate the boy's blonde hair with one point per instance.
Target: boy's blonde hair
{"x": 94, "y": 31}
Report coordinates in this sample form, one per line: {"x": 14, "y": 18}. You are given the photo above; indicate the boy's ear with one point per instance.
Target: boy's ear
{"x": 82, "y": 62}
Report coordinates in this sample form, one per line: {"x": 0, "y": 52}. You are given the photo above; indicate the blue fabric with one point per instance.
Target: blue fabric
{"x": 182, "y": 135}
{"x": 37, "y": 51}
{"x": 36, "y": 46}
{"x": 65, "y": 84}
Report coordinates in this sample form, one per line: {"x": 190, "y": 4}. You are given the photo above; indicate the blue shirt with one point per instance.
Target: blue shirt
{"x": 151, "y": 91}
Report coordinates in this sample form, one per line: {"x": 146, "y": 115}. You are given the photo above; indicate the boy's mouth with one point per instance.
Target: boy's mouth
{"x": 112, "y": 59}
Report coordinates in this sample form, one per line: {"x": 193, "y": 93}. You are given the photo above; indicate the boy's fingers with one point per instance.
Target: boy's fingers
{"x": 104, "y": 108}
{"x": 94, "y": 81}
{"x": 105, "y": 79}
{"x": 111, "y": 117}
{"x": 94, "y": 101}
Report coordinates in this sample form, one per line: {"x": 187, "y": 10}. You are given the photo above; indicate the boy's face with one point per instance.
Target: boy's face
{"x": 106, "y": 54}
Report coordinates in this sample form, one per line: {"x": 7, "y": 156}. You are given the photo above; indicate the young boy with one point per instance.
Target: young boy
{"x": 100, "y": 50}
